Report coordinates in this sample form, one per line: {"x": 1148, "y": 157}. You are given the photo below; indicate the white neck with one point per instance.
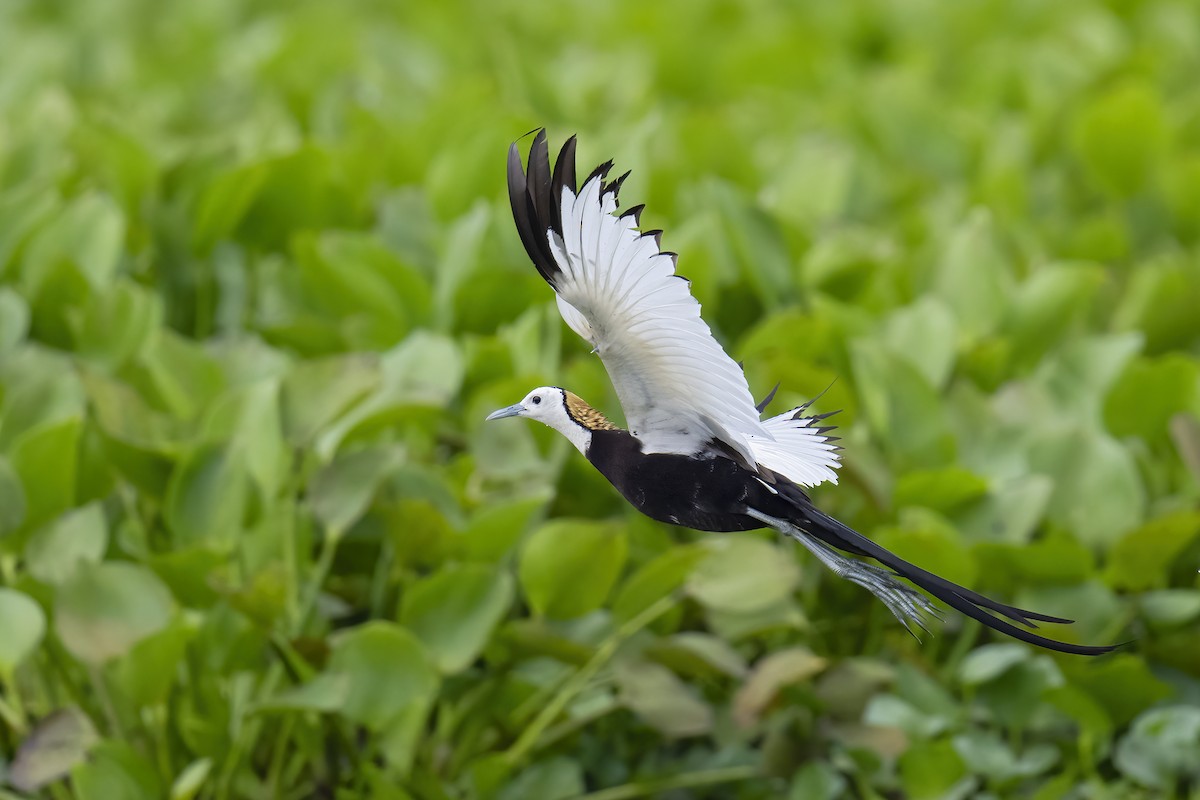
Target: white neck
{"x": 576, "y": 434}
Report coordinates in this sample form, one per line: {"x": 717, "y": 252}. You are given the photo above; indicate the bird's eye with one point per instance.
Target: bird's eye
{"x": 536, "y": 400}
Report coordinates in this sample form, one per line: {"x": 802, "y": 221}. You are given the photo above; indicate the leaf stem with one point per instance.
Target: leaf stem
{"x": 579, "y": 680}
{"x": 648, "y": 788}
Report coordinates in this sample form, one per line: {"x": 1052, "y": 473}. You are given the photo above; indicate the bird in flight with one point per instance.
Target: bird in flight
{"x": 697, "y": 452}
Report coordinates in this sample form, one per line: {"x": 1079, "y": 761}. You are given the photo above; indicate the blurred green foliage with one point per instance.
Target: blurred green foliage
{"x": 259, "y": 286}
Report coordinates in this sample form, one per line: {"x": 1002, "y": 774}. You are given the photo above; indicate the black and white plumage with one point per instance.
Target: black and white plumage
{"x": 696, "y": 452}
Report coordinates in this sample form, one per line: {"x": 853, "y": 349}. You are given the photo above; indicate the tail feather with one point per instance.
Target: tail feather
{"x": 958, "y": 597}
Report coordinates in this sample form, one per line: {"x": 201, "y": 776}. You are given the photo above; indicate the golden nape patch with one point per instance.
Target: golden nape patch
{"x": 587, "y": 416}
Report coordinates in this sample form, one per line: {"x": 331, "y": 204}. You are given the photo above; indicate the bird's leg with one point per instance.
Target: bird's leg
{"x": 906, "y": 603}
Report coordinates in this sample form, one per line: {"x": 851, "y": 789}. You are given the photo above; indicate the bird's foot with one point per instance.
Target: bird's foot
{"x": 907, "y": 604}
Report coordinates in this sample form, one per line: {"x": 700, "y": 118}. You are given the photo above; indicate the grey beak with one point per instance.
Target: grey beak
{"x": 501, "y": 413}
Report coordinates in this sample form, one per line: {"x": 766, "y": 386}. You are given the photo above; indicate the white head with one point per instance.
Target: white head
{"x": 561, "y": 410}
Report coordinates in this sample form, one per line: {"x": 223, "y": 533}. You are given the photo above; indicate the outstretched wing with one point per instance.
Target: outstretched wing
{"x": 619, "y": 291}
{"x": 680, "y": 391}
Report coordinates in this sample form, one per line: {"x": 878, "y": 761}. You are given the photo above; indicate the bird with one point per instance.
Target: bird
{"x": 696, "y": 452}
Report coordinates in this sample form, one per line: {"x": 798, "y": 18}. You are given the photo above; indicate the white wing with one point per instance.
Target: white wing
{"x": 800, "y": 450}
{"x": 680, "y": 391}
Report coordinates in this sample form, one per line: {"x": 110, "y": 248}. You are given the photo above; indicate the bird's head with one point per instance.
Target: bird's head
{"x": 546, "y": 404}
{"x": 561, "y": 410}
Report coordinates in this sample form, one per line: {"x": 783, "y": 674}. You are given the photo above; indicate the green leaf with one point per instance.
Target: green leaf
{"x": 88, "y": 233}
{"x": 973, "y": 277}
{"x": 1159, "y": 303}
{"x": 12, "y": 498}
{"x": 116, "y": 324}
{"x": 657, "y": 578}
{"x": 662, "y": 701}
{"x": 58, "y": 743}
{"x": 24, "y": 626}
{"x": 1149, "y": 393}
{"x": 1160, "y": 749}
{"x": 78, "y": 537}
{"x": 1120, "y": 135}
{"x": 1122, "y": 684}
{"x": 343, "y": 490}
{"x": 316, "y": 393}
{"x": 454, "y": 611}
{"x": 105, "y": 609}
{"x": 568, "y": 567}
{"x": 990, "y": 661}
{"x": 1098, "y": 494}
{"x": 930, "y": 770}
{"x": 943, "y": 490}
{"x": 14, "y": 318}
{"x": 116, "y": 769}
{"x": 46, "y": 461}
{"x": 1142, "y": 558}
{"x": 206, "y": 497}
{"x": 769, "y": 677}
{"x": 742, "y": 573}
{"x": 148, "y": 671}
{"x": 386, "y": 669}
{"x": 191, "y": 779}
{"x": 493, "y": 531}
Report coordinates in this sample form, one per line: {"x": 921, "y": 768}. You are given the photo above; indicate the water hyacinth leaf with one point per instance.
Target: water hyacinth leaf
{"x": 1160, "y": 303}
{"x": 1122, "y": 685}
{"x": 116, "y": 769}
{"x": 387, "y": 670}
{"x": 943, "y": 490}
{"x": 817, "y": 780}
{"x": 1099, "y": 495}
{"x": 12, "y": 498}
{"x": 973, "y": 277}
{"x": 1120, "y": 134}
{"x": 46, "y": 461}
{"x": 769, "y": 677}
{"x": 147, "y": 672}
{"x": 924, "y": 334}
{"x": 105, "y": 609}
{"x": 207, "y": 496}
{"x": 191, "y": 779}
{"x": 568, "y": 567}
{"x": 742, "y": 573}
{"x": 58, "y": 743}
{"x": 931, "y": 770}
{"x": 429, "y": 368}
{"x": 662, "y": 700}
{"x": 342, "y": 491}
{"x": 116, "y": 324}
{"x": 24, "y": 626}
{"x": 492, "y": 532}
{"x": 1047, "y": 305}
{"x": 14, "y": 318}
{"x": 1170, "y": 607}
{"x": 657, "y": 578}
{"x": 557, "y": 778}
{"x": 692, "y": 652}
{"x": 223, "y": 202}
{"x": 990, "y": 661}
{"x": 454, "y": 612}
{"x": 88, "y": 234}
{"x": 79, "y": 536}
{"x": 1160, "y": 748}
{"x": 1142, "y": 558}
{"x": 315, "y": 393}
{"x": 1149, "y": 393}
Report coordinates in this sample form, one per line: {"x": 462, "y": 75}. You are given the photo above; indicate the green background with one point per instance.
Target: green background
{"x": 259, "y": 286}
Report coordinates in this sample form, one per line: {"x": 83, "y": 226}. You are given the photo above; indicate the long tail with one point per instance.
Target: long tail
{"x": 835, "y": 534}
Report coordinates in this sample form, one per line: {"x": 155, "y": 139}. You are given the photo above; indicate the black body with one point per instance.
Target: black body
{"x": 712, "y": 492}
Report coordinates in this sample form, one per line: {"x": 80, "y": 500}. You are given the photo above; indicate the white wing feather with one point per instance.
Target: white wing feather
{"x": 798, "y": 450}
{"x": 678, "y": 388}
